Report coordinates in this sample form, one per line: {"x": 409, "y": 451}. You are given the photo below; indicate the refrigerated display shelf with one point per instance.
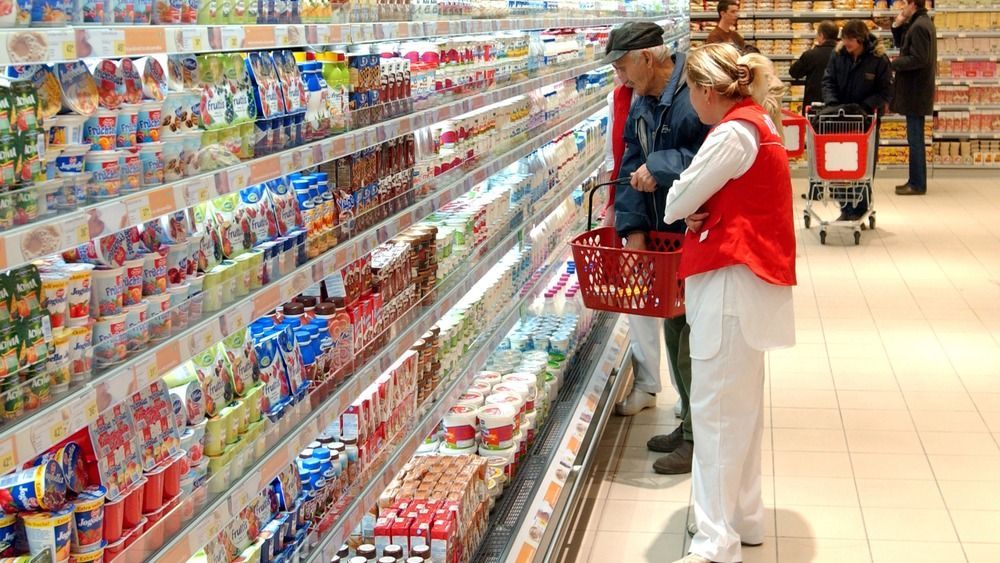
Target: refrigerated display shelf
{"x": 962, "y": 34}
{"x": 489, "y": 339}
{"x": 24, "y": 439}
{"x": 74, "y": 42}
{"x": 88, "y": 222}
{"x": 965, "y": 107}
{"x": 227, "y": 503}
{"x": 971, "y": 80}
{"x": 506, "y": 539}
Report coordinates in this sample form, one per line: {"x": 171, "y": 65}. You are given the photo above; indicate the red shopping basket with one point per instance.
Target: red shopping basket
{"x": 795, "y": 133}
{"x": 639, "y": 282}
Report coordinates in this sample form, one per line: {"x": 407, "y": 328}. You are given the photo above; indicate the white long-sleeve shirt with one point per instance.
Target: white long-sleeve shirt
{"x": 764, "y": 310}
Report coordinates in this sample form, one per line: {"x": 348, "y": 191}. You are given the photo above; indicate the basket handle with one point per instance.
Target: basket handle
{"x": 590, "y": 198}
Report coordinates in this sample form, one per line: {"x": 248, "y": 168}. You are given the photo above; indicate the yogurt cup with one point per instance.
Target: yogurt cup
{"x": 106, "y": 175}
{"x": 88, "y": 516}
{"x": 55, "y": 287}
{"x": 95, "y": 555}
{"x": 59, "y": 376}
{"x": 79, "y": 91}
{"x": 192, "y": 144}
{"x": 49, "y": 531}
{"x": 159, "y": 317}
{"x": 81, "y": 350}
{"x": 148, "y": 122}
{"x": 178, "y": 255}
{"x": 107, "y": 289}
{"x": 114, "y": 518}
{"x": 154, "y": 274}
{"x": 131, "y": 170}
{"x": 152, "y": 499}
{"x": 151, "y": 160}
{"x": 109, "y": 339}
{"x": 173, "y": 168}
{"x": 460, "y": 426}
{"x": 8, "y": 533}
{"x": 100, "y": 130}
{"x": 198, "y": 260}
{"x": 179, "y": 309}
{"x": 74, "y": 190}
{"x": 136, "y": 326}
{"x": 133, "y": 280}
{"x": 42, "y": 487}
{"x": 126, "y": 125}
{"x": 471, "y": 398}
{"x": 66, "y": 129}
{"x": 496, "y": 426}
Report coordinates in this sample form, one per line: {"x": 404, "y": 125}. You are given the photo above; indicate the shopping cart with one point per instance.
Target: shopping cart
{"x": 639, "y": 282}
{"x": 842, "y": 148}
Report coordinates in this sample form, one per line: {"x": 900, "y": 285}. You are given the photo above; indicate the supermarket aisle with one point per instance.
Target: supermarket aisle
{"x": 882, "y": 425}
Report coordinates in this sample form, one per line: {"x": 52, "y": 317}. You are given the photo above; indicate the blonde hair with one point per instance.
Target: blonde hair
{"x": 721, "y": 67}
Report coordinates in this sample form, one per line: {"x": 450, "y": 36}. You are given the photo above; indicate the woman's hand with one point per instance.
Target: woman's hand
{"x": 643, "y": 181}
{"x": 694, "y": 221}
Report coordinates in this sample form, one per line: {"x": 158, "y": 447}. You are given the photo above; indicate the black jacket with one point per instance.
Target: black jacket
{"x": 866, "y": 82}
{"x": 666, "y": 144}
{"x": 916, "y": 65}
{"x": 812, "y": 66}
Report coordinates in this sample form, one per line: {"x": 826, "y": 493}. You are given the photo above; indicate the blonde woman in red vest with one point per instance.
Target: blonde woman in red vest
{"x": 739, "y": 267}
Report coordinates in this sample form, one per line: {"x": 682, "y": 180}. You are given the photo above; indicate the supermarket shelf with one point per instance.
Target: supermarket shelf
{"x": 538, "y": 500}
{"x": 963, "y": 34}
{"x": 964, "y": 135}
{"x": 26, "y": 438}
{"x": 965, "y": 107}
{"x": 387, "y": 469}
{"x": 71, "y": 43}
{"x": 783, "y": 57}
{"x": 977, "y": 166}
{"x": 959, "y": 9}
{"x": 898, "y": 142}
{"x": 229, "y": 502}
{"x": 892, "y": 167}
{"x": 963, "y": 57}
{"x": 968, "y": 81}
{"x": 93, "y": 221}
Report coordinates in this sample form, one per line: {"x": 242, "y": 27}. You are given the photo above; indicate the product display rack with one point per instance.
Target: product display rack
{"x": 181, "y": 535}
{"x": 229, "y": 502}
{"x": 530, "y": 523}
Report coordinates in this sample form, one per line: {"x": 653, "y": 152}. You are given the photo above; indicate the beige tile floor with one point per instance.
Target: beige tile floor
{"x": 882, "y": 438}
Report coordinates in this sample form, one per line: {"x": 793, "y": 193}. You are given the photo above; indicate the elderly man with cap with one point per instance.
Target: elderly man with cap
{"x": 662, "y": 135}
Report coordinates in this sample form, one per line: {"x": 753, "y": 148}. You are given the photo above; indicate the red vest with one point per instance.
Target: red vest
{"x": 621, "y": 101}
{"x": 750, "y": 219}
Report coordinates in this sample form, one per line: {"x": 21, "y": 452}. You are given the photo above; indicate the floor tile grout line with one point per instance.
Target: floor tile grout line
{"x": 908, "y": 409}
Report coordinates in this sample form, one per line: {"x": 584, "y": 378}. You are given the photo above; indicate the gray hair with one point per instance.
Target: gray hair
{"x": 661, "y": 53}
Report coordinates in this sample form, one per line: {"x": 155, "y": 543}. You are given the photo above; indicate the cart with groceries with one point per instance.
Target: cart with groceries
{"x": 842, "y": 146}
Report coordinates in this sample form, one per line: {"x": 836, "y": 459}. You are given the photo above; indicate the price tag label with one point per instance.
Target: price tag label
{"x": 58, "y": 431}
{"x": 328, "y": 150}
{"x": 232, "y": 37}
{"x": 194, "y": 39}
{"x": 287, "y": 163}
{"x": 139, "y": 210}
{"x": 239, "y": 318}
{"x": 8, "y": 460}
{"x": 322, "y": 34}
{"x": 118, "y": 47}
{"x": 238, "y": 178}
{"x": 197, "y": 192}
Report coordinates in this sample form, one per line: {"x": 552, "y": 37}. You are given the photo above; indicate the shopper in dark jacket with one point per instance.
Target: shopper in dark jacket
{"x": 812, "y": 64}
{"x": 662, "y": 135}
{"x": 858, "y": 73}
{"x": 916, "y": 67}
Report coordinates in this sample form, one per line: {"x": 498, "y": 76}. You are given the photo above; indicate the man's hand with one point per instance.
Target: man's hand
{"x": 636, "y": 241}
{"x": 905, "y": 13}
{"x": 695, "y": 221}
{"x": 643, "y": 181}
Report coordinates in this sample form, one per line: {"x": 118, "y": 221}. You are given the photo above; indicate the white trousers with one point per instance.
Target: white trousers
{"x": 647, "y": 349}
{"x": 727, "y": 407}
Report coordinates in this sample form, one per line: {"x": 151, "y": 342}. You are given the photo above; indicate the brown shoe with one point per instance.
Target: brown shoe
{"x": 677, "y": 462}
{"x": 666, "y": 443}
{"x": 907, "y": 189}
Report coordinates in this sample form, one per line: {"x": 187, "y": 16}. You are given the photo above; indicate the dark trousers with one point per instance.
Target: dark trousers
{"x": 918, "y": 153}
{"x": 676, "y": 332}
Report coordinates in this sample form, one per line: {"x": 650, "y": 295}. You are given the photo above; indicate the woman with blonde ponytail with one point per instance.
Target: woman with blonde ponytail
{"x": 739, "y": 267}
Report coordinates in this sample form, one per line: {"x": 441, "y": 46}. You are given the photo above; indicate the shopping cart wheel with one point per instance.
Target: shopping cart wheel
{"x": 806, "y": 219}
{"x": 822, "y": 237}
{"x": 871, "y": 222}
{"x": 857, "y": 238}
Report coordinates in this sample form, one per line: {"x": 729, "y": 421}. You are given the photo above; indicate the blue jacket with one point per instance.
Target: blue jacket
{"x": 673, "y": 134}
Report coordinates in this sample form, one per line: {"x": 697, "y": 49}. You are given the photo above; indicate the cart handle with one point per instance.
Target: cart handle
{"x": 590, "y": 198}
